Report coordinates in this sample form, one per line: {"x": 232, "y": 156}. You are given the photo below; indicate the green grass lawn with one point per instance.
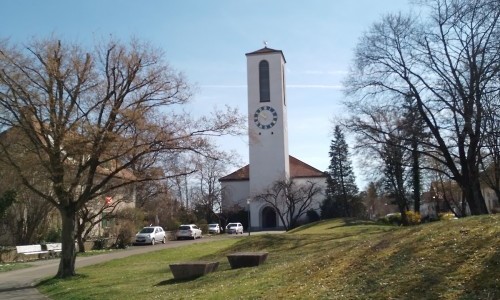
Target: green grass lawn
{"x": 96, "y": 252}
{"x": 337, "y": 259}
{"x": 13, "y": 266}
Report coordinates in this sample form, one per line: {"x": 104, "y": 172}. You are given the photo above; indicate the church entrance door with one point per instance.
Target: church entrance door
{"x": 268, "y": 218}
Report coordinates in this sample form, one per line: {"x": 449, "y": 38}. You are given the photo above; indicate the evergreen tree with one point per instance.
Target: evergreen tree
{"x": 6, "y": 201}
{"x": 371, "y": 199}
{"x": 413, "y": 129}
{"x": 395, "y": 174}
{"x": 341, "y": 194}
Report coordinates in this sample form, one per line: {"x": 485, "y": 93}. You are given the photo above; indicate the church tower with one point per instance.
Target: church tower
{"x": 269, "y": 160}
{"x": 267, "y": 122}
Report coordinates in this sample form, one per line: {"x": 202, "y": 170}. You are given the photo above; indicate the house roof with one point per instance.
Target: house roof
{"x": 266, "y": 50}
{"x": 298, "y": 169}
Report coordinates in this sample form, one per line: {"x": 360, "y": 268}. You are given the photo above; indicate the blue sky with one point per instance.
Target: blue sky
{"x": 207, "y": 41}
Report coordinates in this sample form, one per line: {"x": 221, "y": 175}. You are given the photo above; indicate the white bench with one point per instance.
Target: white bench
{"x": 31, "y": 249}
{"x": 54, "y": 247}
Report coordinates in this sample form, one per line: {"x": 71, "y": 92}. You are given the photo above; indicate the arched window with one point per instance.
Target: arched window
{"x": 264, "y": 85}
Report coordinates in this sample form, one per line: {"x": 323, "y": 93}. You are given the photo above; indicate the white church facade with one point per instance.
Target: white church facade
{"x": 268, "y": 144}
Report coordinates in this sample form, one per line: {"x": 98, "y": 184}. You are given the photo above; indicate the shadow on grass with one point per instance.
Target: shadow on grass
{"x": 55, "y": 280}
{"x": 434, "y": 268}
{"x": 357, "y": 222}
{"x": 174, "y": 281}
{"x": 307, "y": 226}
{"x": 337, "y": 223}
{"x": 484, "y": 287}
{"x": 225, "y": 267}
{"x": 352, "y": 222}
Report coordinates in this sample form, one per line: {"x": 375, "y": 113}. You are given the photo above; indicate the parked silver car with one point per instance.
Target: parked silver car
{"x": 150, "y": 235}
{"x": 234, "y": 228}
{"x": 188, "y": 231}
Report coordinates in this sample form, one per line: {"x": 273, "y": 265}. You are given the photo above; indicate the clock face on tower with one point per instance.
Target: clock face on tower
{"x": 265, "y": 117}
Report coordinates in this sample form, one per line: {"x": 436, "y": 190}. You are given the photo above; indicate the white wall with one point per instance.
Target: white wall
{"x": 269, "y": 159}
{"x": 236, "y": 193}
{"x": 318, "y": 198}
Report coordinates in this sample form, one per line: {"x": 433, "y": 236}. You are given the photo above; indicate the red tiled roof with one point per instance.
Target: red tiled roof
{"x": 298, "y": 169}
{"x": 240, "y": 174}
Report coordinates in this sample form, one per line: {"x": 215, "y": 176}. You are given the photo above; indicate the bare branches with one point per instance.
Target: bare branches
{"x": 92, "y": 117}
{"x": 290, "y": 199}
{"x": 447, "y": 63}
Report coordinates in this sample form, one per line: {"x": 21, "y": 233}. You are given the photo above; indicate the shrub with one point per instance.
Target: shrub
{"x": 134, "y": 215}
{"x": 54, "y": 235}
{"x": 203, "y": 227}
{"x": 100, "y": 244}
{"x": 382, "y": 220}
{"x": 312, "y": 215}
{"x": 413, "y": 217}
{"x": 446, "y": 216}
{"x": 393, "y": 218}
{"x": 124, "y": 236}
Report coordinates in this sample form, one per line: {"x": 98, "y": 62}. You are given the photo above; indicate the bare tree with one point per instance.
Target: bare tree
{"x": 290, "y": 200}
{"x": 395, "y": 174}
{"x": 91, "y": 214}
{"x": 447, "y": 63}
{"x": 381, "y": 134}
{"x": 207, "y": 190}
{"x": 89, "y": 116}
{"x": 414, "y": 130}
{"x": 376, "y": 202}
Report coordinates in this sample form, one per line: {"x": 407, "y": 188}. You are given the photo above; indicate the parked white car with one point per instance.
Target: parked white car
{"x": 234, "y": 228}
{"x": 213, "y": 228}
{"x": 188, "y": 231}
{"x": 150, "y": 235}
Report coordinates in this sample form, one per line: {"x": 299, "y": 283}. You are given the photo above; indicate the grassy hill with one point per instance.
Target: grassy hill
{"x": 336, "y": 259}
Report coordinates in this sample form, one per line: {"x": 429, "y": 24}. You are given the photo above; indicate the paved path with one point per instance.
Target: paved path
{"x": 19, "y": 284}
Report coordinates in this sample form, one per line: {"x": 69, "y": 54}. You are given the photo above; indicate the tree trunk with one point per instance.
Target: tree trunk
{"x": 68, "y": 253}
{"x": 404, "y": 217}
{"x": 81, "y": 244}
{"x": 416, "y": 176}
{"x": 403, "y": 207}
{"x": 79, "y": 235}
{"x": 472, "y": 191}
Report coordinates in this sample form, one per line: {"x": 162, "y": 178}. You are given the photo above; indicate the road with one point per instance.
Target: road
{"x": 19, "y": 284}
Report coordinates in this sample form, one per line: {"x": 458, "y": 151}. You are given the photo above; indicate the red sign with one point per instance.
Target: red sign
{"x": 109, "y": 200}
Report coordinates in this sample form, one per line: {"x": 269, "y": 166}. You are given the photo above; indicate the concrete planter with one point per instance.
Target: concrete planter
{"x": 246, "y": 259}
{"x": 190, "y": 270}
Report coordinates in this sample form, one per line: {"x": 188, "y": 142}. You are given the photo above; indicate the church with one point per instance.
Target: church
{"x": 269, "y": 160}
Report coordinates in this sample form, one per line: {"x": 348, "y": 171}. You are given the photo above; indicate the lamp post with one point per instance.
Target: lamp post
{"x": 248, "y": 209}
